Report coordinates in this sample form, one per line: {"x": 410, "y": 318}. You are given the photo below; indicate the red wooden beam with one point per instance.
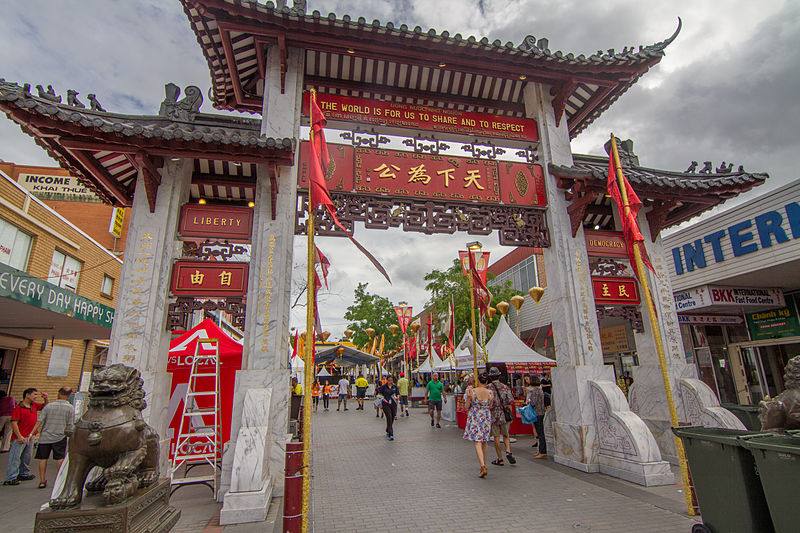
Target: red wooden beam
{"x": 562, "y": 95}
{"x": 108, "y": 182}
{"x": 198, "y": 178}
{"x": 590, "y": 106}
{"x": 233, "y": 68}
{"x": 152, "y": 179}
{"x": 577, "y": 209}
{"x": 282, "y": 52}
{"x": 274, "y": 174}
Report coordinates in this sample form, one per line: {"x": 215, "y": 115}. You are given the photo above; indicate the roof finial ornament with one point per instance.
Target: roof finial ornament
{"x": 72, "y": 99}
{"x": 627, "y": 158}
{"x": 187, "y": 108}
{"x": 692, "y": 168}
{"x": 706, "y": 168}
{"x": 93, "y": 103}
{"x": 50, "y": 94}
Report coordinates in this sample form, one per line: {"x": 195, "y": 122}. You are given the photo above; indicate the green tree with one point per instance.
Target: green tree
{"x": 372, "y": 311}
{"x": 444, "y": 284}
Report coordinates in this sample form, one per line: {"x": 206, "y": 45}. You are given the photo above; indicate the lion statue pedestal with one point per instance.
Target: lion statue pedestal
{"x": 113, "y": 436}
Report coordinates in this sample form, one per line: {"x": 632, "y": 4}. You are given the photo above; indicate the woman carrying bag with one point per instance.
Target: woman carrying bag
{"x": 479, "y": 420}
{"x": 536, "y": 401}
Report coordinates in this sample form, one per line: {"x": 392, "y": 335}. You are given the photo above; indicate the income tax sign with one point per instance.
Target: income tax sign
{"x": 421, "y": 117}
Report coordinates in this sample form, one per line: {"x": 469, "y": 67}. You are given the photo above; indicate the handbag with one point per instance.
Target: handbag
{"x": 509, "y": 416}
{"x": 528, "y": 415}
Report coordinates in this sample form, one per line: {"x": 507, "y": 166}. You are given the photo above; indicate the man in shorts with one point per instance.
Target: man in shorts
{"x": 53, "y": 422}
{"x": 344, "y": 391}
{"x": 361, "y": 391}
{"x": 402, "y": 386}
{"x": 434, "y": 394}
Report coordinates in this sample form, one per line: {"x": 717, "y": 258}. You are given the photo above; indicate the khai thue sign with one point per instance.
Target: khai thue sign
{"x": 375, "y": 112}
{"x": 199, "y": 278}
{"x": 615, "y": 291}
{"x": 222, "y": 222}
{"x": 396, "y": 173}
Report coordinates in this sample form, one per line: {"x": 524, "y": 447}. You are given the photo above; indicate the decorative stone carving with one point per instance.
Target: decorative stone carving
{"x": 50, "y": 94}
{"x": 112, "y": 435}
{"x": 629, "y": 312}
{"x": 179, "y": 312}
{"x": 72, "y": 99}
{"x": 783, "y": 412}
{"x": 93, "y": 103}
{"x": 187, "y": 108}
{"x": 701, "y": 407}
{"x": 707, "y": 166}
{"x": 692, "y": 168}
{"x": 626, "y": 156}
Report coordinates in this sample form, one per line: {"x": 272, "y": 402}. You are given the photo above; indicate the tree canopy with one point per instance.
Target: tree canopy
{"x": 372, "y": 311}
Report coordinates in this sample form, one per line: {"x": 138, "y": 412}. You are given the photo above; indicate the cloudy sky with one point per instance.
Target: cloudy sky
{"x": 726, "y": 89}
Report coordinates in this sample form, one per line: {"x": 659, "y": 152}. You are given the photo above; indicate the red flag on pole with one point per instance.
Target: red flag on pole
{"x": 320, "y": 259}
{"x": 318, "y": 190}
{"x": 482, "y": 294}
{"x": 430, "y": 335}
{"x": 630, "y": 228}
{"x": 451, "y": 333}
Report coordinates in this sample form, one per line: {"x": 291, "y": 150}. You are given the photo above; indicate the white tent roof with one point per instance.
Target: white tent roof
{"x": 505, "y": 347}
{"x": 465, "y": 346}
{"x": 323, "y": 373}
{"x": 431, "y": 364}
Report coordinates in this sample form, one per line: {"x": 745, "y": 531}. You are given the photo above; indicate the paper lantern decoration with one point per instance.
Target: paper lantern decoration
{"x": 325, "y": 335}
{"x": 370, "y": 332}
{"x": 414, "y": 327}
{"x": 393, "y": 328}
{"x": 492, "y": 312}
{"x": 502, "y": 307}
{"x": 536, "y": 293}
{"x": 517, "y": 301}
{"x": 348, "y": 333}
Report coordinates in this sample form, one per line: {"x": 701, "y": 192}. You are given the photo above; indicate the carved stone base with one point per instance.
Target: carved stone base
{"x": 146, "y": 511}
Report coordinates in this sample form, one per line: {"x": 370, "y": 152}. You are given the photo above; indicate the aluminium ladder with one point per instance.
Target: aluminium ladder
{"x": 198, "y": 442}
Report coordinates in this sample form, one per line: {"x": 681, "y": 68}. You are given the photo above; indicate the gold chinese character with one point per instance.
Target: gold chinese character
{"x": 472, "y": 179}
{"x": 623, "y": 291}
{"x": 385, "y": 171}
{"x": 197, "y": 277}
{"x": 448, "y": 175}
{"x": 419, "y": 174}
{"x": 606, "y": 292}
{"x": 225, "y": 278}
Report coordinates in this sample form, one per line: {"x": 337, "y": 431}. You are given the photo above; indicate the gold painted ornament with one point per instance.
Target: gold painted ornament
{"x": 502, "y": 307}
{"x": 536, "y": 293}
{"x": 517, "y": 301}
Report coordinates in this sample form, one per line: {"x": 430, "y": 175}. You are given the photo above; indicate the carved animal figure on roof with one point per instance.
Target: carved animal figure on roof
{"x": 707, "y": 166}
{"x": 50, "y": 94}
{"x": 72, "y": 99}
{"x": 783, "y": 411}
{"x": 187, "y": 108}
{"x": 95, "y": 105}
{"x": 692, "y": 168}
{"x": 724, "y": 169}
{"x": 112, "y": 435}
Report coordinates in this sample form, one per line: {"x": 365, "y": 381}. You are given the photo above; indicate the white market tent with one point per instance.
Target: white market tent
{"x": 462, "y": 357}
{"x": 505, "y": 347}
{"x": 323, "y": 373}
{"x": 431, "y": 364}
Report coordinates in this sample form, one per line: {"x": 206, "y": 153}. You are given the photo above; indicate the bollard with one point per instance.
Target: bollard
{"x": 293, "y": 488}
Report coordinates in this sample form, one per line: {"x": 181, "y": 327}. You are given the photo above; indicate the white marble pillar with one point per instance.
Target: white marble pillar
{"x": 265, "y": 358}
{"x": 139, "y": 337}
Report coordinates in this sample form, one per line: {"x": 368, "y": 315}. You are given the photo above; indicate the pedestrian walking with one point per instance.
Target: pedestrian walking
{"x": 361, "y": 391}
{"x": 536, "y": 399}
{"x": 326, "y": 395}
{"x": 402, "y": 386}
{"x": 344, "y": 391}
{"x": 315, "y": 390}
{"x": 6, "y": 408}
{"x": 23, "y": 419}
{"x": 389, "y": 394}
{"x": 527, "y": 387}
{"x": 501, "y": 416}
{"x": 479, "y": 420}
{"x": 434, "y": 394}
{"x": 53, "y": 422}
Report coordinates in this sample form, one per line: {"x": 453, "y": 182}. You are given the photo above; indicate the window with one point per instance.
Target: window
{"x": 15, "y": 246}
{"x": 523, "y": 275}
{"x": 64, "y": 271}
{"x": 108, "y": 285}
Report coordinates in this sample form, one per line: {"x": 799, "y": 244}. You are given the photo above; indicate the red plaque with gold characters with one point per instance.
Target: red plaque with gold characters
{"x": 222, "y": 222}
{"x": 615, "y": 291}
{"x": 397, "y": 173}
{"x": 199, "y": 278}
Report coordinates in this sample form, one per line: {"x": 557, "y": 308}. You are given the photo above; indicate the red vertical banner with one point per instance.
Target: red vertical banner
{"x": 404, "y": 315}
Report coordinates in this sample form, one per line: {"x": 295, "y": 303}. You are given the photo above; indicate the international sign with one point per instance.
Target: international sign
{"x": 615, "y": 291}
{"x": 395, "y": 114}
{"x": 708, "y": 295}
{"x": 397, "y": 173}
{"x": 22, "y": 287}
{"x": 773, "y": 323}
{"x": 727, "y": 320}
{"x": 222, "y": 222}
{"x": 54, "y": 187}
{"x": 605, "y": 244}
{"x": 117, "y": 218}
{"x": 200, "y": 278}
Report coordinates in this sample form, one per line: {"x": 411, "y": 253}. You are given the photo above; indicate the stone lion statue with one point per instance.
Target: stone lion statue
{"x": 783, "y": 411}
{"x": 111, "y": 435}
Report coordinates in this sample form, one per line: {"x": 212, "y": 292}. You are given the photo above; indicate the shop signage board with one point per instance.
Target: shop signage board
{"x": 22, "y": 287}
{"x": 708, "y": 295}
{"x": 201, "y": 278}
{"x": 614, "y": 339}
{"x": 54, "y": 187}
{"x": 117, "y": 218}
{"x": 398, "y": 173}
{"x": 726, "y": 320}
{"x": 378, "y": 113}
{"x": 773, "y": 323}
{"x": 221, "y": 222}
{"x": 615, "y": 291}
{"x": 605, "y": 244}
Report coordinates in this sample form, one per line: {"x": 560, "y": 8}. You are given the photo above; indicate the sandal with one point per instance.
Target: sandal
{"x": 43, "y": 485}
{"x": 483, "y": 472}
{"x": 511, "y": 459}
{"x": 498, "y": 462}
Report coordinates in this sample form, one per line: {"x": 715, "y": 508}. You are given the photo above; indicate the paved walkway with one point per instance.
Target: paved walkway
{"x": 423, "y": 481}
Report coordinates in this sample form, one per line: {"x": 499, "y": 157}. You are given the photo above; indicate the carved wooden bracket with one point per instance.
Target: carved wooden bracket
{"x": 657, "y": 216}
{"x": 561, "y": 96}
{"x": 152, "y": 179}
{"x": 577, "y": 209}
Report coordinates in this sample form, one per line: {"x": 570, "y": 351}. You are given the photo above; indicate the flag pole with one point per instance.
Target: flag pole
{"x": 651, "y": 311}
{"x": 308, "y": 360}
{"x": 474, "y": 337}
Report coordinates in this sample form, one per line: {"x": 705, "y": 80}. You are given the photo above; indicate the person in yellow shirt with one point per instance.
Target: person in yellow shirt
{"x": 361, "y": 391}
{"x": 402, "y": 386}
{"x": 297, "y": 389}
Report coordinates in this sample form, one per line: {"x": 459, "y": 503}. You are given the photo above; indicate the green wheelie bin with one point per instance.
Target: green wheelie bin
{"x": 726, "y": 481}
{"x": 778, "y": 461}
{"x": 748, "y": 414}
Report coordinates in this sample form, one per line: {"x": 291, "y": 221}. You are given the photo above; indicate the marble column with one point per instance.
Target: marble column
{"x": 265, "y": 371}
{"x": 695, "y": 402}
{"x": 139, "y": 337}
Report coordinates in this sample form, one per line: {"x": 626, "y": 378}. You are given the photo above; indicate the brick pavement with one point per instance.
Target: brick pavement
{"x": 426, "y": 480}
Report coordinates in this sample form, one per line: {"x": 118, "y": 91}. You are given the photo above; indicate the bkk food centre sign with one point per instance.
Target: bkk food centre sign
{"x": 709, "y": 295}
{"x": 22, "y": 287}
